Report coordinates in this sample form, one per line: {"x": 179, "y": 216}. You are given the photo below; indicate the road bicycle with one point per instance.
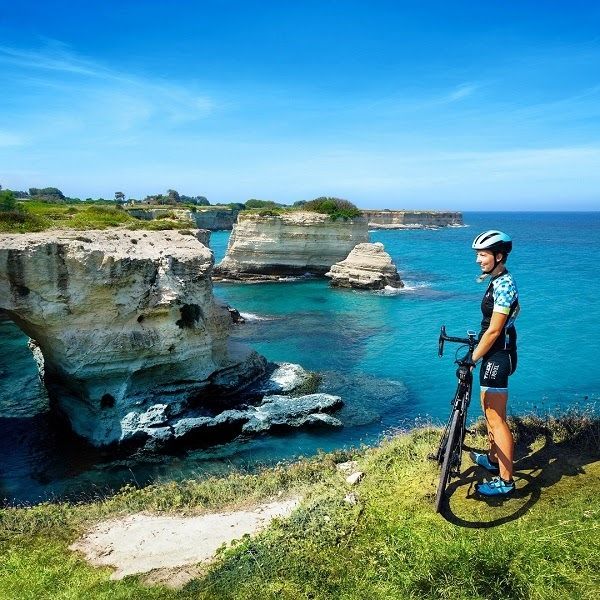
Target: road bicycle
{"x": 449, "y": 452}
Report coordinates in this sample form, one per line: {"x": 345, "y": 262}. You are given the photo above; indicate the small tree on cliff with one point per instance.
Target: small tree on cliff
{"x": 48, "y": 194}
{"x": 173, "y": 197}
{"x": 119, "y": 197}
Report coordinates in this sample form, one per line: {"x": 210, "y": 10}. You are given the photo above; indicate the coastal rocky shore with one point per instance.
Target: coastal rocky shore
{"x": 269, "y": 247}
{"x": 368, "y": 266}
{"x": 216, "y": 219}
{"x": 211, "y": 219}
{"x": 130, "y": 339}
{"x": 412, "y": 219}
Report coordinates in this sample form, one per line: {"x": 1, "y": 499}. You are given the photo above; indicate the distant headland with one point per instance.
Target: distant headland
{"x": 39, "y": 209}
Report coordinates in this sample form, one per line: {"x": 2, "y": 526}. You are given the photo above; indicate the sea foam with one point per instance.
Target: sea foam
{"x": 253, "y": 317}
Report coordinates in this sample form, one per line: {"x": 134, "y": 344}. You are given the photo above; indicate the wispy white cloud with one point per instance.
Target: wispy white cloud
{"x": 512, "y": 179}
{"x": 94, "y": 96}
{"x": 54, "y": 58}
{"x": 415, "y": 100}
{"x": 460, "y": 179}
{"x": 8, "y": 139}
{"x": 461, "y": 92}
{"x": 584, "y": 104}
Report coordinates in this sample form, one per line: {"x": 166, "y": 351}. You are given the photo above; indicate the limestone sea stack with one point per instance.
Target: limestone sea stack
{"x": 368, "y": 266}
{"x": 127, "y": 325}
{"x": 272, "y": 246}
{"x": 412, "y": 219}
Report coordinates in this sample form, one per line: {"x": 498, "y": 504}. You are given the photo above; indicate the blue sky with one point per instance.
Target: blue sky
{"x": 460, "y": 105}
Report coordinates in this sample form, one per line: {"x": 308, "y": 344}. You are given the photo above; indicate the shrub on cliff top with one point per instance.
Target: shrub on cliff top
{"x": 334, "y": 207}
{"x": 7, "y": 201}
{"x": 16, "y": 221}
{"x": 270, "y": 212}
{"x": 254, "y": 203}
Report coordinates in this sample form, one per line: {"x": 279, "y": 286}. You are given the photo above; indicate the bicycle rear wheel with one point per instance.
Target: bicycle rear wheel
{"x": 441, "y": 449}
{"x": 453, "y": 445}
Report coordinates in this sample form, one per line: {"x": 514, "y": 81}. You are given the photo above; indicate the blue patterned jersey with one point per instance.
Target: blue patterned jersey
{"x": 501, "y": 296}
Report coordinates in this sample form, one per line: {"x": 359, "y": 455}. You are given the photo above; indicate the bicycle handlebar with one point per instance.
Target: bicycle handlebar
{"x": 470, "y": 341}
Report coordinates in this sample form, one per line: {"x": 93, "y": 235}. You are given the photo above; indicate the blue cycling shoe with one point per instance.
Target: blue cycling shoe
{"x": 495, "y": 488}
{"x": 483, "y": 460}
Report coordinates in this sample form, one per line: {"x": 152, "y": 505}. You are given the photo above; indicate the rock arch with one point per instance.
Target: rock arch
{"x": 105, "y": 309}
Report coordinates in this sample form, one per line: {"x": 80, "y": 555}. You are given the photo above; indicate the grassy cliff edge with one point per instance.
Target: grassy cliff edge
{"x": 379, "y": 539}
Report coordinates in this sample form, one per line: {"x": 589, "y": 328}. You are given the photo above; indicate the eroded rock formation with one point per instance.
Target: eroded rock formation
{"x": 288, "y": 244}
{"x": 127, "y": 325}
{"x": 212, "y": 219}
{"x": 412, "y": 219}
{"x": 150, "y": 214}
{"x": 215, "y": 219}
{"x": 368, "y": 266}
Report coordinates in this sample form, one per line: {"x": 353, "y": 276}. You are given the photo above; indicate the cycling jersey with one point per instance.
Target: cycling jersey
{"x": 501, "y": 296}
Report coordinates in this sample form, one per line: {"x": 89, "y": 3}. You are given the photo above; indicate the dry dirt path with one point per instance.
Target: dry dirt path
{"x": 173, "y": 548}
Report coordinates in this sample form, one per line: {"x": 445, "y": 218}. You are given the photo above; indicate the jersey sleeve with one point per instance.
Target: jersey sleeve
{"x": 505, "y": 294}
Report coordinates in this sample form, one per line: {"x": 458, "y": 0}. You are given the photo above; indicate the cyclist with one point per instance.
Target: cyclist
{"x": 497, "y": 347}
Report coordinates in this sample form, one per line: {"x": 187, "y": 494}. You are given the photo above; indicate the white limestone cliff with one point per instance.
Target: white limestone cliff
{"x": 270, "y": 246}
{"x": 368, "y": 266}
{"x": 412, "y": 219}
{"x": 127, "y": 325}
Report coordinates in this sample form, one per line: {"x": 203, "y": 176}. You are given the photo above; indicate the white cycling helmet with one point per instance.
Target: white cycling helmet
{"x": 494, "y": 241}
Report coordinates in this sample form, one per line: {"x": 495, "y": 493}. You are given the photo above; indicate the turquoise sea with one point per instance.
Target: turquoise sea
{"x": 377, "y": 351}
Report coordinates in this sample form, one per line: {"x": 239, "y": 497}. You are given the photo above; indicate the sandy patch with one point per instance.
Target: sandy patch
{"x": 172, "y": 545}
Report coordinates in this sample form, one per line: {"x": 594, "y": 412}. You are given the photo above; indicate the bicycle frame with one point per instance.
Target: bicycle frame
{"x": 449, "y": 453}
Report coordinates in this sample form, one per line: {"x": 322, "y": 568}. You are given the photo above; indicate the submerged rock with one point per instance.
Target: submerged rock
{"x": 282, "y": 378}
{"x": 368, "y": 266}
{"x": 236, "y": 317}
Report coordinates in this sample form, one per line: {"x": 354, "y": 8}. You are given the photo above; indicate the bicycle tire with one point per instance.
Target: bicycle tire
{"x": 439, "y": 454}
{"x": 451, "y": 443}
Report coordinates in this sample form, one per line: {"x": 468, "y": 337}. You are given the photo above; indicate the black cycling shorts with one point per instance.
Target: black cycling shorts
{"x": 495, "y": 370}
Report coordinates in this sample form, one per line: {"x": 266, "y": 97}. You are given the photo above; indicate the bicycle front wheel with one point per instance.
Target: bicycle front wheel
{"x": 453, "y": 445}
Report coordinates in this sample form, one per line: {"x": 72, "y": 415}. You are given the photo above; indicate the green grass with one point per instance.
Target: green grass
{"x": 543, "y": 543}
{"x": 39, "y": 216}
{"x": 267, "y": 212}
{"x": 159, "y": 225}
{"x": 334, "y": 207}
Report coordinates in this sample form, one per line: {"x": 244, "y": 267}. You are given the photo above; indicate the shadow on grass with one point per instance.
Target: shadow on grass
{"x": 578, "y": 445}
